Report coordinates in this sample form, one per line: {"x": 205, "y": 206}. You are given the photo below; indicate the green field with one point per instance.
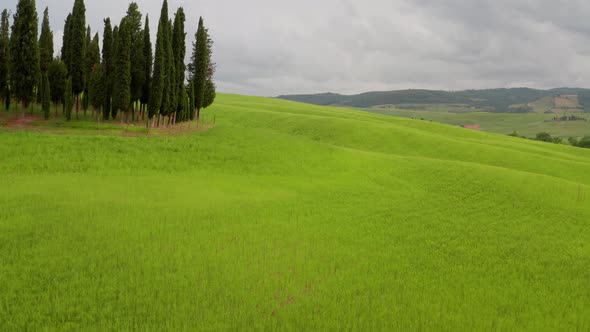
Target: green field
{"x": 526, "y": 124}
{"x": 285, "y": 216}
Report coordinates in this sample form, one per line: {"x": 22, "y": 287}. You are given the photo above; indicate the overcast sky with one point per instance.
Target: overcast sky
{"x": 271, "y": 47}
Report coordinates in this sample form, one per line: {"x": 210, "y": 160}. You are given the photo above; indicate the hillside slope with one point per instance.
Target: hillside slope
{"x": 494, "y": 100}
{"x": 288, "y": 216}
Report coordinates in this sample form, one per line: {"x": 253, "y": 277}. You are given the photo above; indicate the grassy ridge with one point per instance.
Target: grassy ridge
{"x": 291, "y": 216}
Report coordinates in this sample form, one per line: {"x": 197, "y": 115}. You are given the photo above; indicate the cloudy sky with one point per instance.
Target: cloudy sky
{"x": 271, "y": 47}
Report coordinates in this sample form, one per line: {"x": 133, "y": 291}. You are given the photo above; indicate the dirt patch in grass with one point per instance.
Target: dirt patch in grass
{"x": 36, "y": 124}
{"x": 20, "y": 121}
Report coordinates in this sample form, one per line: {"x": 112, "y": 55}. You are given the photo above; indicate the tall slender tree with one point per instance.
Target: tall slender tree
{"x": 169, "y": 95}
{"x": 45, "y": 43}
{"x": 24, "y": 60}
{"x": 107, "y": 66}
{"x": 209, "y": 93}
{"x": 147, "y": 65}
{"x": 65, "y": 46}
{"x": 122, "y": 84}
{"x": 157, "y": 86}
{"x": 77, "y": 50}
{"x": 137, "y": 65}
{"x": 87, "y": 68}
{"x": 179, "y": 48}
{"x": 92, "y": 62}
{"x": 113, "y": 77}
{"x": 4, "y": 57}
{"x": 96, "y": 88}
{"x": 200, "y": 67}
{"x": 57, "y": 74}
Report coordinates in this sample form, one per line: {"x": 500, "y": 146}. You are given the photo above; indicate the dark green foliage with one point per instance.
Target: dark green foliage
{"x": 112, "y": 76}
{"x": 191, "y": 99}
{"x": 546, "y": 137}
{"x": 210, "y": 93}
{"x": 65, "y": 46}
{"x": 46, "y": 96}
{"x": 107, "y": 64}
{"x": 179, "y": 48}
{"x": 584, "y": 142}
{"x": 200, "y": 66}
{"x": 210, "y": 88}
{"x": 86, "y": 70}
{"x": 92, "y": 62}
{"x": 68, "y": 99}
{"x": 45, "y": 43}
{"x": 122, "y": 82}
{"x": 137, "y": 51}
{"x": 157, "y": 84}
{"x": 147, "y": 63}
{"x": 4, "y": 57}
{"x": 573, "y": 141}
{"x": 24, "y": 51}
{"x": 169, "y": 94}
{"x": 96, "y": 87}
{"x": 57, "y": 75}
{"x": 77, "y": 48}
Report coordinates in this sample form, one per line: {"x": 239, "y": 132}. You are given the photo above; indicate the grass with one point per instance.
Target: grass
{"x": 287, "y": 216}
{"x": 527, "y": 124}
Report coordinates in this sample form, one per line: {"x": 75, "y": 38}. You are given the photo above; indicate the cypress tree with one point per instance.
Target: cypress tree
{"x": 169, "y": 95}
{"x": 46, "y": 99}
{"x": 68, "y": 99}
{"x": 87, "y": 69}
{"x": 209, "y": 93}
{"x": 157, "y": 84}
{"x": 24, "y": 60}
{"x": 4, "y": 57}
{"x": 77, "y": 50}
{"x": 200, "y": 67}
{"x": 137, "y": 66}
{"x": 65, "y": 47}
{"x": 147, "y": 65}
{"x": 92, "y": 62}
{"x": 113, "y": 76}
{"x": 96, "y": 88}
{"x": 179, "y": 48}
{"x": 45, "y": 43}
{"x": 107, "y": 60}
{"x": 122, "y": 83}
{"x": 57, "y": 75}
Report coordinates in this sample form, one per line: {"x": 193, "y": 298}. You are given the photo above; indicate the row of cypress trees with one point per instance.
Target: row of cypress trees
{"x": 128, "y": 80}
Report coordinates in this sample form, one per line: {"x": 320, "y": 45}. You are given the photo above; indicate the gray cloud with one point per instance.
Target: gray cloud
{"x": 270, "y": 47}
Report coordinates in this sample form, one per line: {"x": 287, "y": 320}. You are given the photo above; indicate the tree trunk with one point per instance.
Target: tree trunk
{"x": 24, "y": 108}
{"x": 77, "y": 106}
{"x": 158, "y": 123}
{"x": 55, "y": 104}
{"x": 198, "y": 114}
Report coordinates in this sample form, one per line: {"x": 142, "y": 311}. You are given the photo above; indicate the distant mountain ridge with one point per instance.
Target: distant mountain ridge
{"x": 493, "y": 100}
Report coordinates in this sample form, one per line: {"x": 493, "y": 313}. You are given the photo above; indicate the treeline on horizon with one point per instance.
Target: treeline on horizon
{"x": 130, "y": 79}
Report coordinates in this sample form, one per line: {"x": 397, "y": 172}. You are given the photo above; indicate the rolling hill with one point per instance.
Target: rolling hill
{"x": 492, "y": 100}
{"x": 288, "y": 216}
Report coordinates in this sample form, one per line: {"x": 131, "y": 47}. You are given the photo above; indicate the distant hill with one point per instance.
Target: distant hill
{"x": 493, "y": 100}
